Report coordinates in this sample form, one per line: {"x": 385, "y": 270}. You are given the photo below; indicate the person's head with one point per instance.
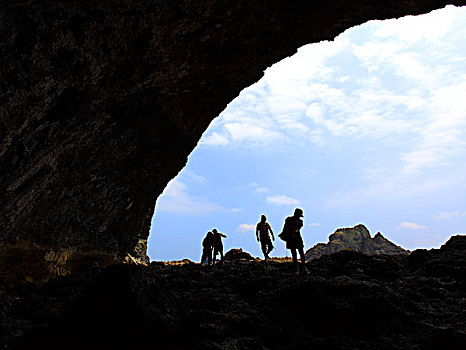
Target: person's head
{"x": 214, "y": 230}
{"x": 298, "y": 212}
{"x": 209, "y": 233}
{"x": 263, "y": 218}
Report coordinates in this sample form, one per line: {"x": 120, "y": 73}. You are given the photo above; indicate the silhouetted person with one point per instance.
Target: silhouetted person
{"x": 207, "y": 248}
{"x": 218, "y": 244}
{"x": 262, "y": 234}
{"x": 294, "y": 241}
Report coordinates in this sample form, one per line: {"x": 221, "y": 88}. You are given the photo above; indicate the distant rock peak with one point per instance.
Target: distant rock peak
{"x": 358, "y": 239}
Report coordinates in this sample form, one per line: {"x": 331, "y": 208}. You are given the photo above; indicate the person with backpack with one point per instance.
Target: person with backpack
{"x": 262, "y": 234}
{"x": 292, "y": 236}
{"x": 218, "y": 244}
{"x": 207, "y": 248}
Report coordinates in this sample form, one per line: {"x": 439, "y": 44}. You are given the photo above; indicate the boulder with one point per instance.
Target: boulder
{"x": 237, "y": 254}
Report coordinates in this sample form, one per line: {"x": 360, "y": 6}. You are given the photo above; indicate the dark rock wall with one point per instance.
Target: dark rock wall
{"x": 101, "y": 102}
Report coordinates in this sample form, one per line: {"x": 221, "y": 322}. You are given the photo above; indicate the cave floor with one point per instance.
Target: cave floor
{"x": 348, "y": 301}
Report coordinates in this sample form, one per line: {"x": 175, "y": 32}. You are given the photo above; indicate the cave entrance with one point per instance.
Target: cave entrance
{"x": 368, "y": 128}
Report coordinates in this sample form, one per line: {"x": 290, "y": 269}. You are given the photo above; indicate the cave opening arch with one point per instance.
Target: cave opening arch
{"x": 357, "y": 121}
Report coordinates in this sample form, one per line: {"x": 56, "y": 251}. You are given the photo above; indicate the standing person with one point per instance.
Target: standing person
{"x": 218, "y": 244}
{"x": 207, "y": 248}
{"x": 262, "y": 234}
{"x": 292, "y": 235}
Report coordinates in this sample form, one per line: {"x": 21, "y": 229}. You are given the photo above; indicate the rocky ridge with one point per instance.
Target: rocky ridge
{"x": 356, "y": 239}
{"x": 349, "y": 300}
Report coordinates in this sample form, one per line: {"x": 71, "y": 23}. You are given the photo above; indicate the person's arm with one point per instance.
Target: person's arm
{"x": 224, "y": 236}
{"x": 271, "y": 232}
{"x": 257, "y": 233}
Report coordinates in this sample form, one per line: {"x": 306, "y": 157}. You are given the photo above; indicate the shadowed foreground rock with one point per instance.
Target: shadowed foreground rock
{"x": 350, "y": 300}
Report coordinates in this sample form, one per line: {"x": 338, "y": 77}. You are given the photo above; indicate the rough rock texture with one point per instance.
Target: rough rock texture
{"x": 102, "y": 101}
{"x": 349, "y": 301}
{"x": 237, "y": 254}
{"x": 357, "y": 239}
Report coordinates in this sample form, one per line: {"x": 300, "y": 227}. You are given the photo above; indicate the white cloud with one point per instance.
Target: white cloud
{"x": 243, "y": 132}
{"x": 237, "y": 210}
{"x": 176, "y": 199}
{"x": 402, "y": 91}
{"x": 253, "y": 188}
{"x": 410, "y": 29}
{"x": 282, "y": 200}
{"x": 246, "y": 227}
{"x": 188, "y": 173}
{"x": 411, "y": 226}
{"x": 314, "y": 224}
{"x": 252, "y": 132}
{"x": 216, "y": 139}
{"x": 392, "y": 186}
{"x": 449, "y": 215}
{"x": 261, "y": 190}
{"x": 343, "y": 78}
{"x": 420, "y": 159}
{"x": 274, "y": 109}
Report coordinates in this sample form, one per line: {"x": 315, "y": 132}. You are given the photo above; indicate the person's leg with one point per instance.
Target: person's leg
{"x": 203, "y": 257}
{"x": 303, "y": 259}
{"x": 264, "y": 249}
{"x": 215, "y": 255}
{"x": 267, "y": 248}
{"x": 209, "y": 256}
{"x": 295, "y": 259}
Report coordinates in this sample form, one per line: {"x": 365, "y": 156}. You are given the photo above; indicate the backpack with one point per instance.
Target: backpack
{"x": 286, "y": 233}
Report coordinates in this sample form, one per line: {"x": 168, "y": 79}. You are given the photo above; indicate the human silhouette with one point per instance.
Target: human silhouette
{"x": 218, "y": 244}
{"x": 294, "y": 242}
{"x": 207, "y": 243}
{"x": 262, "y": 234}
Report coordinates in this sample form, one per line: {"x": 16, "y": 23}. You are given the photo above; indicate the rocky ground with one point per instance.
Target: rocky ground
{"x": 348, "y": 301}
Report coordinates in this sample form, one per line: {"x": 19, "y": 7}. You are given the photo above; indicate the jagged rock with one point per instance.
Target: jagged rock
{"x": 102, "y": 102}
{"x": 455, "y": 244}
{"x": 436, "y": 262}
{"x": 180, "y": 262}
{"x": 357, "y": 239}
{"x": 237, "y": 254}
{"x": 384, "y": 246}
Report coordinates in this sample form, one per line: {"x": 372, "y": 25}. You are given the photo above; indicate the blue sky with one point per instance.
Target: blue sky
{"x": 369, "y": 128}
